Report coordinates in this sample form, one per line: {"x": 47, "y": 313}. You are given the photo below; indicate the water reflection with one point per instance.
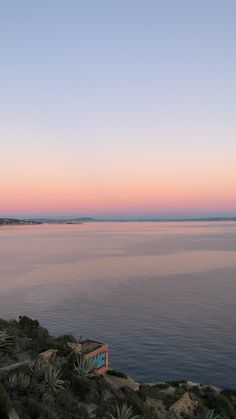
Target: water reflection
{"x": 161, "y": 294}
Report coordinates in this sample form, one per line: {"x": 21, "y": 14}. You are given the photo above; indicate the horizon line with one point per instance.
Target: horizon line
{"x": 117, "y": 219}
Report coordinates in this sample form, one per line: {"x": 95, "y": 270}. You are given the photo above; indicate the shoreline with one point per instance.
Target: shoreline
{"x": 71, "y": 221}
{"x": 37, "y": 370}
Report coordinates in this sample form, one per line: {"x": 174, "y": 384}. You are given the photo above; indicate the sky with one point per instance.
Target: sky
{"x": 117, "y": 108}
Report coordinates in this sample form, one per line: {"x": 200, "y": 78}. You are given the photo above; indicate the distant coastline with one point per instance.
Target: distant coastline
{"x": 16, "y": 221}
{"x": 39, "y": 221}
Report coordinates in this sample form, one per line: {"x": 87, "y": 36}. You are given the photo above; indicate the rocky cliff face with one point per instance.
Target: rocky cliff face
{"x": 43, "y": 377}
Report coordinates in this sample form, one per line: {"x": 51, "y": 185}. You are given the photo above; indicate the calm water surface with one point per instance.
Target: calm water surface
{"x": 162, "y": 295}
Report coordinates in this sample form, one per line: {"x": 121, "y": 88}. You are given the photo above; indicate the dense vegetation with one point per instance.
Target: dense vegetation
{"x": 67, "y": 387}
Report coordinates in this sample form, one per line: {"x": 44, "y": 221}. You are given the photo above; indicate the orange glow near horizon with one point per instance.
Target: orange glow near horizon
{"x": 142, "y": 181}
{"x": 140, "y": 193}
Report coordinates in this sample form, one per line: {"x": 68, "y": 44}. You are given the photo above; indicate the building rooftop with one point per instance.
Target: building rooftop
{"x": 90, "y": 345}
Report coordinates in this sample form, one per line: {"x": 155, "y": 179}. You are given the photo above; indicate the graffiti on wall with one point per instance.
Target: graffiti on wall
{"x": 99, "y": 360}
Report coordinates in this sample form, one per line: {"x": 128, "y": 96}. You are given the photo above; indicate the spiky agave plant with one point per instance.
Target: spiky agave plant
{"x": 210, "y": 414}
{"x": 19, "y": 380}
{"x": 84, "y": 367}
{"x": 5, "y": 340}
{"x": 125, "y": 412}
{"x": 53, "y": 382}
{"x": 39, "y": 369}
{"x": 23, "y": 380}
{"x": 11, "y": 381}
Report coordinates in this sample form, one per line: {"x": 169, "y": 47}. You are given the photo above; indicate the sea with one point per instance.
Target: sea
{"x": 162, "y": 295}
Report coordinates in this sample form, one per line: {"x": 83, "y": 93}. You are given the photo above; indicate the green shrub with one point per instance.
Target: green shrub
{"x": 220, "y": 404}
{"x": 176, "y": 383}
{"x": 61, "y": 344}
{"x": 28, "y": 325}
{"x": 154, "y": 392}
{"x": 83, "y": 412}
{"x": 162, "y": 386}
{"x": 150, "y": 413}
{"x": 37, "y": 410}
{"x": 136, "y": 403}
{"x": 80, "y": 386}
{"x": 40, "y": 338}
{"x": 4, "y": 324}
{"x": 67, "y": 370}
{"x": 230, "y": 395}
{"x": 65, "y": 339}
{"x": 5, "y": 403}
{"x": 101, "y": 410}
{"x": 139, "y": 406}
